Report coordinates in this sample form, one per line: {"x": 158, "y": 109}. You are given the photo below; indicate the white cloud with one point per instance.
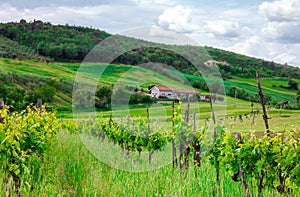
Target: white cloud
{"x": 249, "y": 46}
{"x": 281, "y": 10}
{"x": 177, "y": 19}
{"x": 162, "y": 2}
{"x": 159, "y": 35}
{"x": 285, "y": 57}
{"x": 111, "y": 18}
{"x": 259, "y": 47}
{"x": 284, "y": 32}
{"x": 222, "y": 28}
{"x": 282, "y": 21}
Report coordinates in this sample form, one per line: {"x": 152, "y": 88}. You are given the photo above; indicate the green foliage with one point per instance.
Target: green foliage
{"x": 200, "y": 85}
{"x": 74, "y": 43}
{"x": 270, "y": 161}
{"x": 59, "y": 42}
{"x": 25, "y": 137}
{"x": 133, "y": 135}
{"x": 46, "y": 93}
{"x": 13, "y": 49}
{"x": 103, "y": 95}
{"x": 140, "y": 99}
{"x": 20, "y": 90}
{"x": 244, "y": 66}
{"x": 293, "y": 84}
{"x": 12, "y": 96}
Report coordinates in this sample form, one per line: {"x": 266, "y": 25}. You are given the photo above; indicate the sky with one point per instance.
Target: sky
{"x": 265, "y": 29}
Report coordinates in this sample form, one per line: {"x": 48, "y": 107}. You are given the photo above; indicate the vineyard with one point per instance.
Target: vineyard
{"x": 197, "y": 160}
{"x": 108, "y": 136}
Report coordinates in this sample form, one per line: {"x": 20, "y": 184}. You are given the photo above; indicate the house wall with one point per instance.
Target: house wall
{"x": 168, "y": 94}
{"x": 155, "y": 92}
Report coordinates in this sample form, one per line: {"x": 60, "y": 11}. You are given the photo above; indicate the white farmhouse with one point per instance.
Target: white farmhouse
{"x": 168, "y": 92}
{"x": 162, "y": 91}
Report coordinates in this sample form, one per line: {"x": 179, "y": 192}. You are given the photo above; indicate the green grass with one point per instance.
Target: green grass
{"x": 70, "y": 170}
{"x": 280, "y": 119}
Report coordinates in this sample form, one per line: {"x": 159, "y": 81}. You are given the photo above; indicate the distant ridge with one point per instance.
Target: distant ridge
{"x": 73, "y": 43}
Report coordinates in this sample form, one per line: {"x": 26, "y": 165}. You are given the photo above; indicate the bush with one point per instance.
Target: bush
{"x": 199, "y": 85}
{"x": 25, "y": 137}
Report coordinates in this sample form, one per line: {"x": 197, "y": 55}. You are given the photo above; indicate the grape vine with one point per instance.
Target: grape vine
{"x": 24, "y": 138}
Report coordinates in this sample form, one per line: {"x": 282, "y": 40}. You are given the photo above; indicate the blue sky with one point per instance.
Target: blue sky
{"x": 260, "y": 28}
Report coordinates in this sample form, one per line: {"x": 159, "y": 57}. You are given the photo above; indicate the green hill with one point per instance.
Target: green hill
{"x": 24, "y": 81}
{"x": 64, "y": 42}
{"x": 12, "y": 49}
{"x": 29, "y": 74}
{"x": 55, "y": 41}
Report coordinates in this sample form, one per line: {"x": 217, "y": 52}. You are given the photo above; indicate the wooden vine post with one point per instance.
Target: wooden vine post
{"x": 126, "y": 153}
{"x": 149, "y": 131}
{"x": 39, "y": 104}
{"x": 110, "y": 117}
{"x": 215, "y": 139}
{"x": 1, "y": 107}
{"x": 1, "y": 104}
{"x": 241, "y": 172}
{"x": 174, "y": 158}
{"x": 187, "y": 148}
{"x": 265, "y": 116}
{"x": 298, "y": 101}
{"x": 196, "y": 145}
{"x": 182, "y": 146}
{"x": 253, "y": 120}
{"x": 213, "y": 117}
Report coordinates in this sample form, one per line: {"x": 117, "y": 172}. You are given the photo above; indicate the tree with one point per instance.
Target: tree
{"x": 46, "y": 93}
{"x": 103, "y": 96}
{"x": 298, "y": 98}
{"x": 293, "y": 84}
{"x": 199, "y": 85}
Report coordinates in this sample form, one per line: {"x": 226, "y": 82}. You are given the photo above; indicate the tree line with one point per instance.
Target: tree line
{"x": 64, "y": 42}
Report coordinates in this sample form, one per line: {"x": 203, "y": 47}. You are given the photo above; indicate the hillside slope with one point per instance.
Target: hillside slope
{"x": 23, "y": 81}
{"x": 12, "y": 49}
{"x": 63, "y": 42}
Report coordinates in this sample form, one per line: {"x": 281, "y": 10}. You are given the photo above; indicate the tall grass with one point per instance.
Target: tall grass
{"x": 70, "y": 170}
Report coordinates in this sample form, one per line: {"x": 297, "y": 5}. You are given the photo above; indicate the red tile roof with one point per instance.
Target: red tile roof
{"x": 187, "y": 91}
{"x": 164, "y": 88}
